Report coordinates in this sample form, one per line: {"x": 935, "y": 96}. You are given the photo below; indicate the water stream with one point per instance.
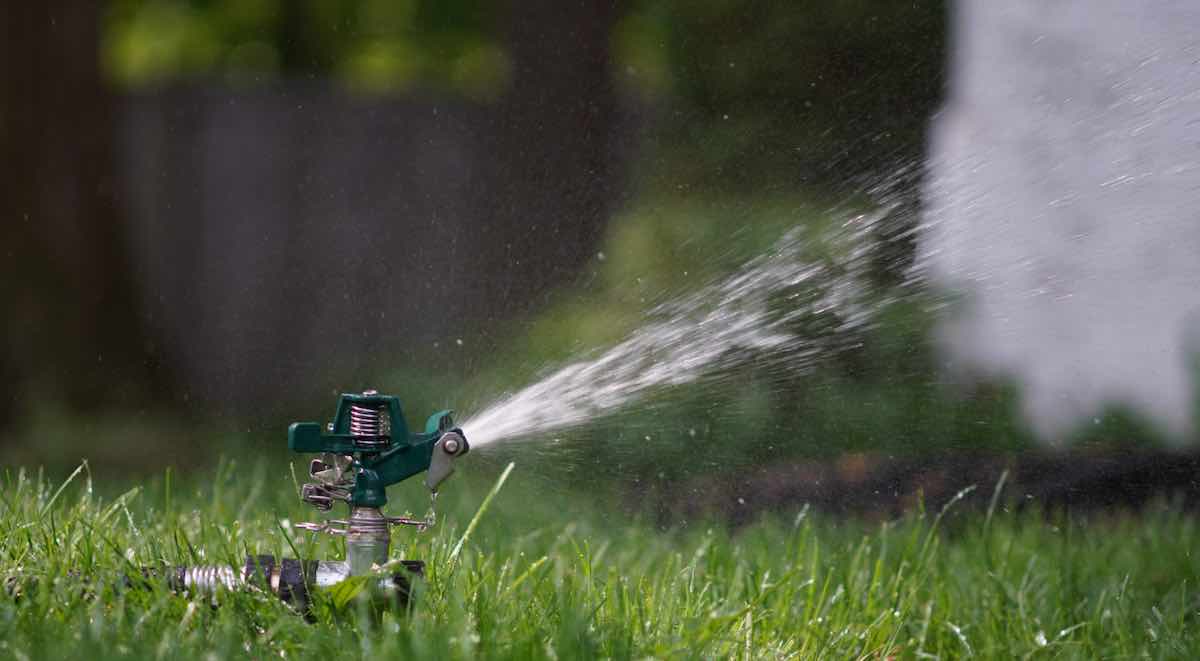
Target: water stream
{"x": 756, "y": 310}
{"x": 1059, "y": 204}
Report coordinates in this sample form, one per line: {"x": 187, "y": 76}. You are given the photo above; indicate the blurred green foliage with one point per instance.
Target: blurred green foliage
{"x": 372, "y": 45}
{"x": 771, "y": 96}
{"x": 752, "y": 95}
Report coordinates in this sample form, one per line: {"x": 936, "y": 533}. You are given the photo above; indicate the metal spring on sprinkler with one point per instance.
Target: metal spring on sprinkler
{"x": 367, "y": 426}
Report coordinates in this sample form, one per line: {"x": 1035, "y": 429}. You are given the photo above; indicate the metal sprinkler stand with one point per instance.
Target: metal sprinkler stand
{"x": 365, "y": 449}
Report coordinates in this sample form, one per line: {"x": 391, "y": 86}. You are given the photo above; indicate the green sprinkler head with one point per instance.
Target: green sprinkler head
{"x": 366, "y": 449}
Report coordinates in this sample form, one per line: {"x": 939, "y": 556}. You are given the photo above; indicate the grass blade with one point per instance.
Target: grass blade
{"x": 487, "y": 500}
{"x": 62, "y": 487}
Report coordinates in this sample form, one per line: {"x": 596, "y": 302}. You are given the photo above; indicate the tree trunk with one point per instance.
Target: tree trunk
{"x": 71, "y": 329}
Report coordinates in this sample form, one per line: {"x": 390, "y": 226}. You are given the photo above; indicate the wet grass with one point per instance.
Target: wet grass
{"x": 549, "y": 573}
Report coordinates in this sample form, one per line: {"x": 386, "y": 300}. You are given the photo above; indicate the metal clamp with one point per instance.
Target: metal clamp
{"x": 345, "y": 527}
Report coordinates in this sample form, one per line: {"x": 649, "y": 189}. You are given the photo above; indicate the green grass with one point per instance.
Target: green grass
{"x": 550, "y": 573}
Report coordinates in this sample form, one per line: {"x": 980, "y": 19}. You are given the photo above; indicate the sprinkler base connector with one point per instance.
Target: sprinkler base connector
{"x": 293, "y": 581}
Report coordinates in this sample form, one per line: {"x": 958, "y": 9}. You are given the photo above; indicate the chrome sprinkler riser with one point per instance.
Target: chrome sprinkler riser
{"x": 368, "y": 540}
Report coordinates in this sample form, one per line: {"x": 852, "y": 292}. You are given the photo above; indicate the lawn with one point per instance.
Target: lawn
{"x": 547, "y": 572}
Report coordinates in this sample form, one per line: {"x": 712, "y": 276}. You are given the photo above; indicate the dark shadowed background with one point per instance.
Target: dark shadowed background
{"x": 216, "y": 214}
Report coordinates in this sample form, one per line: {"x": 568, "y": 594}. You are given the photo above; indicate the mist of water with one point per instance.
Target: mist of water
{"x": 716, "y": 326}
{"x": 1063, "y": 201}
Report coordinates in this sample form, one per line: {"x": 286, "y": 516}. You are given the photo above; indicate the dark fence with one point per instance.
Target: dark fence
{"x": 296, "y": 236}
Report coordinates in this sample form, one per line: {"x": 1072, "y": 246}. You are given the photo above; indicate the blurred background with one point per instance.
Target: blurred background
{"x": 219, "y": 214}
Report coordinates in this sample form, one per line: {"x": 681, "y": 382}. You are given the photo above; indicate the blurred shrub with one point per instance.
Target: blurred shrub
{"x": 371, "y": 45}
{"x": 774, "y": 95}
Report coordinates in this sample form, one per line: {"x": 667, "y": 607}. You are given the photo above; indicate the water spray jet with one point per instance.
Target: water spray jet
{"x": 800, "y": 302}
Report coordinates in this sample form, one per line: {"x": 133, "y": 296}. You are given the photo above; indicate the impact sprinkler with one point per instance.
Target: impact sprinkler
{"x": 365, "y": 449}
